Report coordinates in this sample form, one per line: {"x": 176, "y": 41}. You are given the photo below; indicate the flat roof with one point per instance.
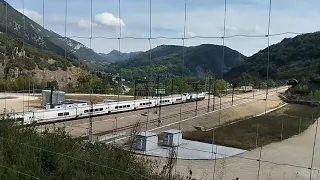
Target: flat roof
{"x": 147, "y": 134}
{"x": 193, "y": 150}
{"x": 172, "y": 131}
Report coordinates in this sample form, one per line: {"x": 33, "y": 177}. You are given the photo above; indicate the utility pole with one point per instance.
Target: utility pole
{"x": 209, "y": 93}
{"x": 232, "y": 93}
{"x": 197, "y": 88}
{"x": 29, "y": 94}
{"x": 90, "y": 122}
{"x": 157, "y": 91}
{"x": 135, "y": 87}
{"x": 51, "y": 96}
{"x": 171, "y": 86}
{"x": 214, "y": 93}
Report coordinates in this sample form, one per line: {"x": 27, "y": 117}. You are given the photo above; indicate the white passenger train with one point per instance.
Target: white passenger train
{"x": 65, "y": 112}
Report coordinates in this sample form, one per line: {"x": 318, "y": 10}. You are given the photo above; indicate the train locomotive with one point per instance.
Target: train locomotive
{"x": 64, "y": 112}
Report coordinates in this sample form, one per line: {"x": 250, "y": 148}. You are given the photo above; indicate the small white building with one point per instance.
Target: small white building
{"x": 146, "y": 141}
{"x": 172, "y": 138}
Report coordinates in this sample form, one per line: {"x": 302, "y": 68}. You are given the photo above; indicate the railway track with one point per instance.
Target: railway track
{"x": 199, "y": 111}
{"x": 164, "y": 118}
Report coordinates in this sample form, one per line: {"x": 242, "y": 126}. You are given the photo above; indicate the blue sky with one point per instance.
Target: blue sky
{"x": 204, "y": 18}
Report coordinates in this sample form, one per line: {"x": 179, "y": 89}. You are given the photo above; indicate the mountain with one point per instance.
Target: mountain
{"x": 296, "y": 57}
{"x": 167, "y": 60}
{"x": 113, "y": 56}
{"x": 34, "y": 34}
{"x": 18, "y": 59}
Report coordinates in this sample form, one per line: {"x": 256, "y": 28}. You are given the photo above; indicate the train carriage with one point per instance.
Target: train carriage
{"x": 82, "y": 110}
{"x": 144, "y": 103}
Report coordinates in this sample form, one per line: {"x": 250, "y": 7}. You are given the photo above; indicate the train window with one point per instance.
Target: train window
{"x": 60, "y": 114}
{"x": 128, "y": 105}
{"x": 101, "y": 109}
{"x": 91, "y": 110}
{"x": 66, "y": 113}
{"x": 116, "y": 107}
{"x": 141, "y": 104}
{"x": 86, "y": 111}
{"x": 96, "y": 109}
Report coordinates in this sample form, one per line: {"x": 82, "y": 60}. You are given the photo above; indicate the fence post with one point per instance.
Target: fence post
{"x": 281, "y": 129}
{"x": 257, "y": 135}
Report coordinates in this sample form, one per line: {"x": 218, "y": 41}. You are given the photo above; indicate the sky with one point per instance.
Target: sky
{"x": 204, "y": 18}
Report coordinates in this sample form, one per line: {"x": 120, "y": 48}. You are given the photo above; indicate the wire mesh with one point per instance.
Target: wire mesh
{"x": 212, "y": 115}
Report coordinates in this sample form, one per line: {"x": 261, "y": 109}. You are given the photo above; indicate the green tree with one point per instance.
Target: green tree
{"x": 310, "y": 95}
{"x": 220, "y": 86}
{"x": 53, "y": 83}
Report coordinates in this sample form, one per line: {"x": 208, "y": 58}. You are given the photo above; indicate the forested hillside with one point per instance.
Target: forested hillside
{"x": 13, "y": 24}
{"x": 168, "y": 60}
{"x": 296, "y": 57}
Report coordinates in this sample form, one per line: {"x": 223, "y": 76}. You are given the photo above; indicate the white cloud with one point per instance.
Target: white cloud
{"x": 108, "y": 19}
{"x": 31, "y": 14}
{"x": 105, "y": 19}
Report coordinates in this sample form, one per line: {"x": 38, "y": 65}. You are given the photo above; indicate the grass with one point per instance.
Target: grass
{"x": 243, "y": 134}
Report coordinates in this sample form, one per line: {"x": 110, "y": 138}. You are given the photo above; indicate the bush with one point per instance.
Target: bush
{"x": 53, "y": 68}
{"x": 56, "y": 155}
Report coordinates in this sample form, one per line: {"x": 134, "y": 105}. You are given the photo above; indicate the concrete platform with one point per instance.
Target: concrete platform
{"x": 194, "y": 150}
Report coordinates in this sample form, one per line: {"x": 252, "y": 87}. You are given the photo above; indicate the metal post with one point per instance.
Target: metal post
{"x": 90, "y": 122}
{"x": 281, "y": 129}
{"x": 159, "y": 100}
{"x": 209, "y": 94}
{"x": 257, "y": 136}
{"x": 214, "y": 94}
{"x": 29, "y": 95}
{"x": 197, "y": 88}
{"x": 232, "y": 94}
{"x": 135, "y": 92}
{"x": 313, "y": 149}
{"x": 146, "y": 88}
{"x": 160, "y": 112}
{"x": 171, "y": 86}
{"x": 51, "y": 96}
